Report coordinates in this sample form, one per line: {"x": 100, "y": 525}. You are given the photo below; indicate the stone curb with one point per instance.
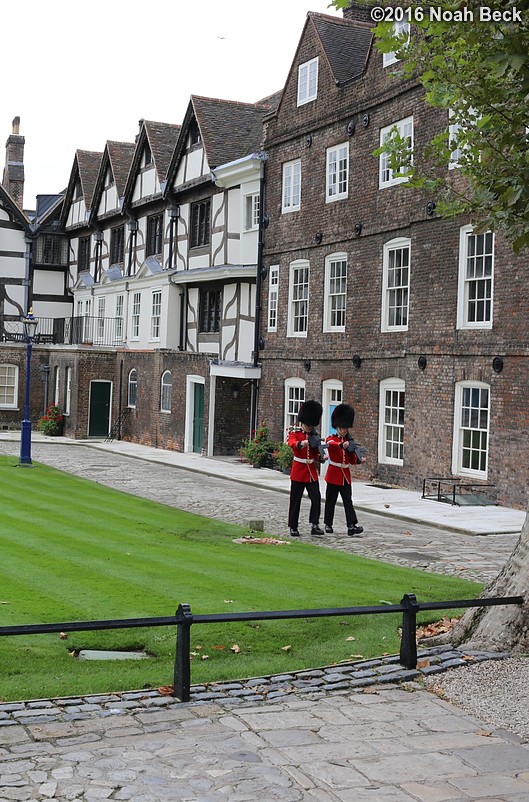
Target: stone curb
{"x": 339, "y": 677}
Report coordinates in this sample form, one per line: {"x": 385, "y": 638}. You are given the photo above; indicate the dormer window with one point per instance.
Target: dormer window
{"x": 78, "y": 190}
{"x": 147, "y": 156}
{"x": 109, "y": 178}
{"x": 307, "y": 81}
{"x": 194, "y": 134}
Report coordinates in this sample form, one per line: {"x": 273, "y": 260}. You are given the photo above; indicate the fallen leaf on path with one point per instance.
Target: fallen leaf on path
{"x": 219, "y": 648}
{"x": 358, "y": 656}
{"x": 407, "y": 533}
{"x": 228, "y": 601}
{"x": 166, "y": 690}
{"x": 351, "y": 637}
{"x": 235, "y": 649}
{"x": 369, "y": 690}
{"x": 63, "y": 636}
{"x": 485, "y": 733}
{"x": 286, "y": 648}
{"x": 204, "y": 656}
{"x": 423, "y": 663}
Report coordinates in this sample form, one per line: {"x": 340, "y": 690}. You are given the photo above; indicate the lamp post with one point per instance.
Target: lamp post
{"x": 30, "y": 327}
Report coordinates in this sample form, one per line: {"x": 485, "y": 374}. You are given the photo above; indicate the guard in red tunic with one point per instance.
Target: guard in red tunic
{"x": 343, "y": 454}
{"x": 304, "y": 474}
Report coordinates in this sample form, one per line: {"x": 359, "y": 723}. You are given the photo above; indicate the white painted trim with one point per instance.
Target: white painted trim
{"x": 462, "y": 322}
{"x": 398, "y": 242}
{"x": 392, "y": 383}
{"x": 333, "y": 257}
{"x": 211, "y": 414}
{"x": 457, "y": 446}
{"x": 191, "y": 379}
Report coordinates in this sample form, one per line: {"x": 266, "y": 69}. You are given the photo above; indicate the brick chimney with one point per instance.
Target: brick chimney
{"x": 359, "y": 13}
{"x": 13, "y": 178}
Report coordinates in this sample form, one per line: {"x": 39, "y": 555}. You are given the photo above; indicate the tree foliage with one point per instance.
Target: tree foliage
{"x": 474, "y": 64}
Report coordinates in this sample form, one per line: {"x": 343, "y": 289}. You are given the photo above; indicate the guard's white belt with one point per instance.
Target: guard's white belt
{"x": 340, "y": 464}
{"x": 304, "y": 461}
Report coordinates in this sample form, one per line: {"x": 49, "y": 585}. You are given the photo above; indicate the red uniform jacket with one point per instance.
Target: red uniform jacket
{"x": 306, "y": 459}
{"x": 340, "y": 461}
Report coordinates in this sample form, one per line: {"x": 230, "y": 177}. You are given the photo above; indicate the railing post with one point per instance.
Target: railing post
{"x": 182, "y": 666}
{"x": 408, "y": 643}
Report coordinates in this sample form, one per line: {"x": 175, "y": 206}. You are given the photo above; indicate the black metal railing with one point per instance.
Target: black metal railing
{"x": 449, "y": 490}
{"x": 78, "y": 330}
{"x": 115, "y": 431}
{"x": 184, "y": 619}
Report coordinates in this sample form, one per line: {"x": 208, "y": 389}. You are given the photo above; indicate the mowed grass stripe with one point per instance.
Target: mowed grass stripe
{"x": 74, "y": 550}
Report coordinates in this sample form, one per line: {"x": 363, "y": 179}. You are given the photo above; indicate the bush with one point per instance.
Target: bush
{"x": 51, "y": 422}
{"x": 283, "y": 455}
{"x": 258, "y": 449}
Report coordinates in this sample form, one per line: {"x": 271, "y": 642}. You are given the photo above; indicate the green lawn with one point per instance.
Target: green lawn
{"x": 73, "y": 550}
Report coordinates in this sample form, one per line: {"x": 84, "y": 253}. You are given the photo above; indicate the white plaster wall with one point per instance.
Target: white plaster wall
{"x": 12, "y": 240}
{"x": 15, "y": 295}
{"x": 246, "y": 334}
{"x": 48, "y": 282}
{"x": 192, "y": 316}
{"x": 12, "y": 267}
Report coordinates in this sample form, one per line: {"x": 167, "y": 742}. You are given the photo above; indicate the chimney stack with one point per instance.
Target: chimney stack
{"x": 13, "y": 178}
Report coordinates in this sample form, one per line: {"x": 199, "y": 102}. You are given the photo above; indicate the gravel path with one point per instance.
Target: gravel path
{"x": 495, "y": 692}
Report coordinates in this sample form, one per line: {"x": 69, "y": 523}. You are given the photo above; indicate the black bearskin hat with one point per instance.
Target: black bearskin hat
{"x": 310, "y": 412}
{"x": 343, "y": 416}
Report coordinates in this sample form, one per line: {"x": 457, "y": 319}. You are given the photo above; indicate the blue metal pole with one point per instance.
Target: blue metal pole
{"x": 25, "y": 433}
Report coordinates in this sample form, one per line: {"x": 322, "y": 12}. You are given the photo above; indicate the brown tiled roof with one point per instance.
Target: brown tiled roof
{"x": 346, "y": 44}
{"x": 120, "y": 156}
{"x": 88, "y": 163}
{"x": 162, "y": 140}
{"x": 229, "y": 129}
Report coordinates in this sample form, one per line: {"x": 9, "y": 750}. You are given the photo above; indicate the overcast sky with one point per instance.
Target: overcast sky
{"x": 79, "y": 74}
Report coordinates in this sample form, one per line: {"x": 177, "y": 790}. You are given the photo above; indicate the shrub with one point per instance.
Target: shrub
{"x": 51, "y": 422}
{"x": 258, "y": 449}
{"x": 283, "y": 455}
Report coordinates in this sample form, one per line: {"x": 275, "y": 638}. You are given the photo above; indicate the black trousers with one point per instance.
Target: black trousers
{"x": 296, "y": 494}
{"x": 331, "y": 496}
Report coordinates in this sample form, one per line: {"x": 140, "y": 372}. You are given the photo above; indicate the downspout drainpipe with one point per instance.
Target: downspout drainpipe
{"x": 258, "y": 289}
{"x": 182, "y": 321}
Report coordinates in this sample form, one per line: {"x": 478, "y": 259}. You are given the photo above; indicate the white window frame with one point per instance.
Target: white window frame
{"x": 332, "y": 395}
{"x": 120, "y": 300}
{"x": 100, "y": 321}
{"x": 166, "y": 392}
{"x": 273, "y": 296}
{"x": 389, "y": 288}
{"x": 156, "y": 314}
{"x": 251, "y": 212}
{"x": 330, "y": 295}
{"x": 294, "y": 397}
{"x": 477, "y": 432}
{"x": 337, "y": 173}
{"x": 400, "y": 26}
{"x": 465, "y": 282}
{"x": 386, "y": 175}
{"x": 389, "y": 423}
{"x": 57, "y": 386}
{"x": 298, "y": 298}
{"x": 291, "y": 187}
{"x": 68, "y": 391}
{"x": 135, "y": 317}
{"x": 308, "y": 81}
{"x": 9, "y": 371}
{"x": 132, "y": 381}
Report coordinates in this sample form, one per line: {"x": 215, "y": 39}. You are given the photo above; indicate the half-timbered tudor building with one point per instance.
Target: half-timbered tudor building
{"x": 165, "y": 259}
{"x": 371, "y": 298}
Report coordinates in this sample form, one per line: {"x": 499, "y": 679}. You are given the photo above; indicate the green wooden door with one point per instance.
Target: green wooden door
{"x": 198, "y": 417}
{"x": 99, "y": 412}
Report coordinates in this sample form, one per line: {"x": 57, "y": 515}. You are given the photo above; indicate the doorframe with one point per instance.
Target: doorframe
{"x": 191, "y": 380}
{"x": 99, "y": 381}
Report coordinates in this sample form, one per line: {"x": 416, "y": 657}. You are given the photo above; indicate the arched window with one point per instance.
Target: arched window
{"x": 391, "y": 421}
{"x": 166, "y": 391}
{"x": 132, "y": 388}
{"x": 294, "y": 397}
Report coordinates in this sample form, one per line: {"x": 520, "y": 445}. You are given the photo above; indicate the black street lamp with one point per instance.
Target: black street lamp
{"x": 30, "y": 328}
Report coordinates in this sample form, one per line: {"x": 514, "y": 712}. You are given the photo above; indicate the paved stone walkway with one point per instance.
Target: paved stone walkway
{"x": 383, "y": 744}
{"x": 417, "y": 545}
